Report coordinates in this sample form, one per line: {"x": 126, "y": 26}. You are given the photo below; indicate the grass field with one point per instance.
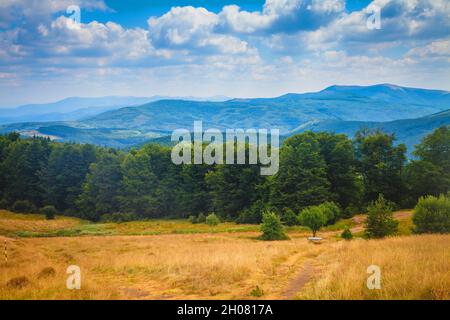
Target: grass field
{"x": 178, "y": 260}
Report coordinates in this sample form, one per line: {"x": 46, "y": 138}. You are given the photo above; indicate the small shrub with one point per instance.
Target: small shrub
{"x": 331, "y": 211}
{"x": 432, "y": 215}
{"x": 201, "y": 218}
{"x": 272, "y": 228}
{"x": 380, "y": 220}
{"x": 18, "y": 283}
{"x": 212, "y": 220}
{"x": 119, "y": 217}
{"x": 49, "y": 212}
{"x": 313, "y": 218}
{"x": 23, "y": 206}
{"x": 48, "y": 272}
{"x": 347, "y": 234}
{"x": 257, "y": 292}
{"x": 192, "y": 219}
{"x": 289, "y": 217}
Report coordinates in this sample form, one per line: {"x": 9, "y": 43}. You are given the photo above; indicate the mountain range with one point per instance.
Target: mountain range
{"x": 76, "y": 108}
{"x": 410, "y": 113}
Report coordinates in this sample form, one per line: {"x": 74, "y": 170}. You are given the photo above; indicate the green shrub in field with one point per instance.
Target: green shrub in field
{"x": 192, "y": 219}
{"x": 212, "y": 220}
{"x": 257, "y": 292}
{"x": 119, "y": 217}
{"x": 347, "y": 234}
{"x": 201, "y": 218}
{"x": 50, "y": 212}
{"x": 331, "y": 211}
{"x": 289, "y": 217}
{"x": 380, "y": 220}
{"x": 271, "y": 227}
{"x": 432, "y": 215}
{"x": 313, "y": 218}
{"x": 23, "y": 206}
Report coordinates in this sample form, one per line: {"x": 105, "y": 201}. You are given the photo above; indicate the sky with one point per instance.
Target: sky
{"x": 252, "y": 48}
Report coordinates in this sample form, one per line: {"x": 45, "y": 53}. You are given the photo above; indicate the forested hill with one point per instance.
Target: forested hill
{"x": 99, "y": 183}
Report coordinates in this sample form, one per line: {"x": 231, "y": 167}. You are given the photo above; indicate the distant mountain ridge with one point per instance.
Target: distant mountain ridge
{"x": 78, "y": 108}
{"x": 339, "y": 108}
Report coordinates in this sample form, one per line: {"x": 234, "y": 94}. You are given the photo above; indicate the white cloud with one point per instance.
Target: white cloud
{"x": 282, "y": 16}
{"x": 194, "y": 29}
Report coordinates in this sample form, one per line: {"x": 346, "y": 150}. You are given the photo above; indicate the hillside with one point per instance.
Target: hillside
{"x": 78, "y": 108}
{"x": 341, "y": 109}
{"x": 380, "y": 103}
{"x": 408, "y": 131}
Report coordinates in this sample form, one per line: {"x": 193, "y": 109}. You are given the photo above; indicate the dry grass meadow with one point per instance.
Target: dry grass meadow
{"x": 178, "y": 260}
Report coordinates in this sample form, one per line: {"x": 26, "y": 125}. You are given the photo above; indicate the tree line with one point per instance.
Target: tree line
{"x": 97, "y": 183}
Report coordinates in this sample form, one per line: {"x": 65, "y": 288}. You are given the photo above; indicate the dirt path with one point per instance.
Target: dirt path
{"x": 299, "y": 281}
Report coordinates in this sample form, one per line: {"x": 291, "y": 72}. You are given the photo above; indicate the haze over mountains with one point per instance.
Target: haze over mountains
{"x": 341, "y": 109}
{"x": 76, "y": 108}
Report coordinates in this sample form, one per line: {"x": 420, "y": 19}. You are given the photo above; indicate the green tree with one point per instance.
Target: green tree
{"x": 289, "y": 217}
{"x": 339, "y": 155}
{"x": 331, "y": 211}
{"x": 234, "y": 188}
{"x": 381, "y": 165}
{"x": 302, "y": 178}
{"x": 63, "y": 178}
{"x": 380, "y": 220}
{"x": 272, "y": 228}
{"x": 50, "y": 212}
{"x": 212, "y": 220}
{"x": 24, "y": 160}
{"x": 313, "y": 218}
{"x": 430, "y": 173}
{"x": 432, "y": 215}
{"x": 347, "y": 234}
{"x": 101, "y": 189}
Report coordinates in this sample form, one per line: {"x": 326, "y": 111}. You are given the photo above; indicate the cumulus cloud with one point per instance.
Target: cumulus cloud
{"x": 35, "y": 12}
{"x": 287, "y": 45}
{"x": 282, "y": 16}
{"x": 193, "y": 29}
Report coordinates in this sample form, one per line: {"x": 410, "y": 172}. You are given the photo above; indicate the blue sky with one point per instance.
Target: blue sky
{"x": 253, "y": 48}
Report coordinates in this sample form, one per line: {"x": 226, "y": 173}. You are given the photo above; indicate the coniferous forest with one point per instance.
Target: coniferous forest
{"x": 97, "y": 183}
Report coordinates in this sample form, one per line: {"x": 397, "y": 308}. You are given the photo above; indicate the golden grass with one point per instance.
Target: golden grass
{"x": 415, "y": 267}
{"x": 15, "y": 222}
{"x": 226, "y": 266}
{"x": 178, "y": 260}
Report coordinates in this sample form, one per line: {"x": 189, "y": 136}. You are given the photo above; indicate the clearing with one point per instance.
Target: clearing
{"x": 173, "y": 259}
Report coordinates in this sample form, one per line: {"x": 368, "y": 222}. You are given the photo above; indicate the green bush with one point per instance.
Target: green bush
{"x": 119, "y": 217}
{"x": 347, "y": 234}
{"x": 331, "y": 211}
{"x": 380, "y": 220}
{"x": 201, "y": 218}
{"x": 257, "y": 292}
{"x": 212, "y": 220}
{"x": 50, "y": 212}
{"x": 192, "y": 219}
{"x": 23, "y": 206}
{"x": 271, "y": 227}
{"x": 432, "y": 215}
{"x": 289, "y": 217}
{"x": 313, "y": 218}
